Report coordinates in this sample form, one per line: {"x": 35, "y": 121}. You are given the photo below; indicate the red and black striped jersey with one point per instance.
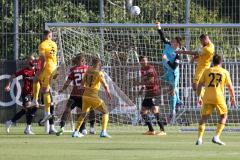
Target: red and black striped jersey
{"x": 76, "y": 76}
{"x": 28, "y": 75}
{"x": 152, "y": 88}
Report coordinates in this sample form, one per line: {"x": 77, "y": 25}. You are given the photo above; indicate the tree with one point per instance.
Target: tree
{"x": 32, "y": 17}
{"x": 33, "y": 14}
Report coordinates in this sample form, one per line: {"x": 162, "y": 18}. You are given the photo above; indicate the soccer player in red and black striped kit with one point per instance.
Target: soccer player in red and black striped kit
{"x": 76, "y": 75}
{"x": 151, "y": 88}
{"x": 28, "y": 74}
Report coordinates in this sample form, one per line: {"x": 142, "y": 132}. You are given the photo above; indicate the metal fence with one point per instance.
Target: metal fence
{"x": 123, "y": 78}
{"x": 31, "y": 16}
{"x": 123, "y": 43}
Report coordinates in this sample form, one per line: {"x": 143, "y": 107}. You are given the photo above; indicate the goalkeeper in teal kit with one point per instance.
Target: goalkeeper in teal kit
{"x": 171, "y": 68}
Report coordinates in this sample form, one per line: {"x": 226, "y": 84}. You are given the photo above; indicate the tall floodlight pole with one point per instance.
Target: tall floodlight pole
{"x": 15, "y": 40}
{"x": 187, "y": 19}
{"x": 101, "y": 12}
{"x": 15, "y": 23}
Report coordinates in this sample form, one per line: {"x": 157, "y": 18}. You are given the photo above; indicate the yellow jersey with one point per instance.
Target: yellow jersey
{"x": 48, "y": 49}
{"x": 205, "y": 58}
{"x": 92, "y": 82}
{"x": 214, "y": 80}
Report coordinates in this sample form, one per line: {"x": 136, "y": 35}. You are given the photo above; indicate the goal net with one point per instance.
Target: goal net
{"x": 119, "y": 47}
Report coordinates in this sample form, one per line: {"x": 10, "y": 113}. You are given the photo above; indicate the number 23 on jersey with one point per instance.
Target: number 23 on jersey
{"x": 216, "y": 79}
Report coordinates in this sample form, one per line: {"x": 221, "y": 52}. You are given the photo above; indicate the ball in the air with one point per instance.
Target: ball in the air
{"x": 135, "y": 10}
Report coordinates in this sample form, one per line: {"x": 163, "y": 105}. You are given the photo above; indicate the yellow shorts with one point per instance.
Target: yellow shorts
{"x": 93, "y": 102}
{"x": 208, "y": 108}
{"x": 45, "y": 78}
{"x": 198, "y": 74}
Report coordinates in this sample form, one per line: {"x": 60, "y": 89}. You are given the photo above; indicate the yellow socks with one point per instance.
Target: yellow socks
{"x": 104, "y": 121}
{"x": 219, "y": 129}
{"x": 201, "y": 129}
{"x": 47, "y": 101}
{"x": 36, "y": 90}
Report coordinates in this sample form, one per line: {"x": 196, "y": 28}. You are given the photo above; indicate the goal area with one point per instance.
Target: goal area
{"x": 119, "y": 47}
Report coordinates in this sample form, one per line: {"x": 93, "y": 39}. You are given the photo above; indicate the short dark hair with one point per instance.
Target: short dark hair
{"x": 46, "y": 32}
{"x": 77, "y": 58}
{"x": 141, "y": 57}
{"x": 95, "y": 60}
{"x": 217, "y": 59}
{"x": 179, "y": 41}
{"x": 80, "y": 56}
{"x": 203, "y": 36}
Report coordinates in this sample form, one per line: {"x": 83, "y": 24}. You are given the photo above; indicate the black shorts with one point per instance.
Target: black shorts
{"x": 26, "y": 98}
{"x": 148, "y": 102}
{"x": 76, "y": 102}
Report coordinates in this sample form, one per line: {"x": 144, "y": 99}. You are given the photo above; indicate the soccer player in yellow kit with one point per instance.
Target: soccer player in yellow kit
{"x": 203, "y": 56}
{"x": 48, "y": 60}
{"x": 214, "y": 79}
{"x": 92, "y": 81}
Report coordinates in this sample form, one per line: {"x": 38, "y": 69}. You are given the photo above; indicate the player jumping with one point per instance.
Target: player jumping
{"x": 171, "y": 66}
{"x": 92, "y": 81}
{"x": 76, "y": 74}
{"x": 203, "y": 56}
{"x": 214, "y": 79}
{"x": 28, "y": 74}
{"x": 151, "y": 89}
{"x": 48, "y": 58}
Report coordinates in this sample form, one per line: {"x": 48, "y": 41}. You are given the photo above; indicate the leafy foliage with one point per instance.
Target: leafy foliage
{"x": 33, "y": 15}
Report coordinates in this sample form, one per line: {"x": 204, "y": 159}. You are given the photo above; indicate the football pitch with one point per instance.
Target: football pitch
{"x": 125, "y": 144}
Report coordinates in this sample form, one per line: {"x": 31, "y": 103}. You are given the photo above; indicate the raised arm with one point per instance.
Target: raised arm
{"x": 160, "y": 32}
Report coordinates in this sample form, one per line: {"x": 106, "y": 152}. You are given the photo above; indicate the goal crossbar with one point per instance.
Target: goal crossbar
{"x": 136, "y": 25}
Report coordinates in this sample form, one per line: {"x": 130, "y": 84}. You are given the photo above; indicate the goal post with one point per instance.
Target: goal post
{"x": 120, "y": 45}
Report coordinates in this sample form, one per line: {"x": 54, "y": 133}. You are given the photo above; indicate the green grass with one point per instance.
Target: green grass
{"x": 129, "y": 144}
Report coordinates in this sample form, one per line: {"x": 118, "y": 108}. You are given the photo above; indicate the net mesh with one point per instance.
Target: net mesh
{"x": 119, "y": 49}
